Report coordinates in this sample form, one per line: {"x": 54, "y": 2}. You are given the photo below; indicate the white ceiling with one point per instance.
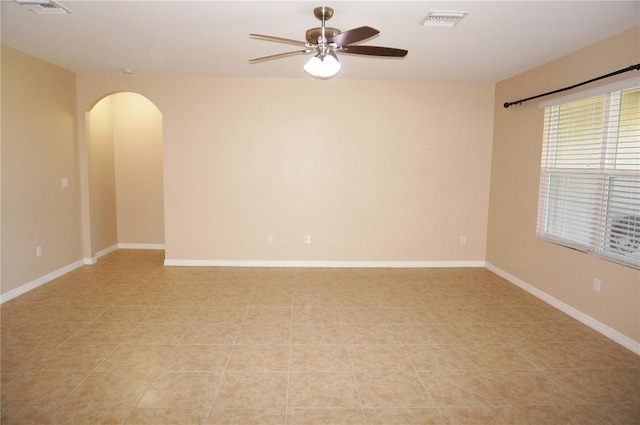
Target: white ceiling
{"x": 498, "y": 39}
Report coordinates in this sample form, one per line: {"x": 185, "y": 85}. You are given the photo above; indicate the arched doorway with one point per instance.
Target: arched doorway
{"x": 125, "y": 173}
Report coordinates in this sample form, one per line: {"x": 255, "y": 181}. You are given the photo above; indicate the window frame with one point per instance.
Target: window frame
{"x": 598, "y": 232}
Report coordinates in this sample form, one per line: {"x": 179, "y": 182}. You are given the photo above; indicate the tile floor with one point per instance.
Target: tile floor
{"x": 128, "y": 341}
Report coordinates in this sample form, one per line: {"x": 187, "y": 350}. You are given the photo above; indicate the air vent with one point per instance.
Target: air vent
{"x": 443, "y": 19}
{"x": 44, "y": 7}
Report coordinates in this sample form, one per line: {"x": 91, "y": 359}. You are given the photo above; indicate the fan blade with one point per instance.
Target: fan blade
{"x": 375, "y": 51}
{"x": 278, "y": 39}
{"x": 353, "y": 36}
{"x": 280, "y": 55}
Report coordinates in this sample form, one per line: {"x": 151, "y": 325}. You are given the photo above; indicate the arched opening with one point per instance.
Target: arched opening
{"x": 124, "y": 157}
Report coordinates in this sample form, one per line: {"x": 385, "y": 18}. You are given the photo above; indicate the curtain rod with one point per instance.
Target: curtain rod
{"x": 611, "y": 74}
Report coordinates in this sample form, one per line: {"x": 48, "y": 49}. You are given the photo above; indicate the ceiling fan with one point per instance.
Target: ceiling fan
{"x": 324, "y": 42}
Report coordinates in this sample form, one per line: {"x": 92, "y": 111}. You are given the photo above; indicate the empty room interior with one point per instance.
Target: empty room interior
{"x": 440, "y": 224}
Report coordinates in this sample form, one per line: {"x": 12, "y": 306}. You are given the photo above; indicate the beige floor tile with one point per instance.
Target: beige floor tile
{"x": 404, "y": 300}
{"x": 333, "y": 416}
{"x": 528, "y": 388}
{"x": 461, "y": 388}
{"x": 172, "y": 314}
{"x": 362, "y": 316}
{"x": 144, "y": 297}
{"x": 478, "y": 415}
{"x": 473, "y": 333}
{"x": 45, "y": 387}
{"x": 257, "y": 315}
{"x": 210, "y": 334}
{"x": 272, "y": 299}
{"x": 157, "y": 333}
{"x": 181, "y": 297}
{"x": 369, "y": 334}
{"x": 50, "y": 332}
{"x": 438, "y": 357}
{"x": 392, "y": 389}
{"x": 77, "y": 313}
{"x": 126, "y": 313}
{"x": 264, "y": 334}
{"x": 322, "y": 390}
{"x": 499, "y": 314}
{"x": 247, "y": 417}
{"x": 551, "y": 355}
{"x": 454, "y": 314}
{"x": 317, "y": 334}
{"x": 232, "y": 296}
{"x": 403, "y": 416}
{"x": 315, "y": 316}
{"x": 259, "y": 358}
{"x": 132, "y": 340}
{"x": 79, "y": 357}
{"x": 379, "y": 358}
{"x": 573, "y": 331}
{"x": 167, "y": 416}
{"x": 223, "y": 314}
{"x": 408, "y": 316}
{"x": 316, "y": 299}
{"x": 619, "y": 413}
{"x": 104, "y": 333}
{"x": 522, "y": 333}
{"x": 543, "y": 313}
{"x": 137, "y": 357}
{"x": 326, "y": 358}
{"x": 252, "y": 390}
{"x": 355, "y": 298}
{"x": 566, "y": 415}
{"x": 422, "y": 334}
{"x": 605, "y": 354}
{"x": 598, "y": 385}
{"x": 23, "y": 413}
{"x": 198, "y": 358}
{"x": 90, "y": 414}
{"x": 113, "y": 388}
{"x": 188, "y": 390}
{"x": 16, "y": 354}
{"x": 496, "y": 357}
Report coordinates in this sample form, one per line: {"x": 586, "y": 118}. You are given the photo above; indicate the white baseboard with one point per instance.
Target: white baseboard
{"x": 118, "y": 246}
{"x": 40, "y": 281}
{"x": 594, "y": 324}
{"x": 106, "y": 251}
{"x": 322, "y": 264}
{"x": 140, "y": 246}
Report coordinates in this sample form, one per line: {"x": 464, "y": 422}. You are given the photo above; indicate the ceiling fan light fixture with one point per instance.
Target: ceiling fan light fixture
{"x": 323, "y": 66}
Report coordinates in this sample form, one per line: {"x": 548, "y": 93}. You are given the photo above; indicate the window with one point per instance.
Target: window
{"x": 590, "y": 173}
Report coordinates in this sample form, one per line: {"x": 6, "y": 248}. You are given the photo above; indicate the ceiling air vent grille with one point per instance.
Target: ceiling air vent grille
{"x": 443, "y": 19}
{"x": 44, "y": 7}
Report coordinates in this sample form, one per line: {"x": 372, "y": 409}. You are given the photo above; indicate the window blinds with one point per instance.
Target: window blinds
{"x": 589, "y": 195}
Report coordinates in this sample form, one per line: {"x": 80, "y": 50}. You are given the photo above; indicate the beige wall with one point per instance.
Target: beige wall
{"x": 125, "y": 172}
{"x": 38, "y": 150}
{"x": 102, "y": 176}
{"x": 138, "y": 169}
{"x": 565, "y": 274}
{"x": 375, "y": 171}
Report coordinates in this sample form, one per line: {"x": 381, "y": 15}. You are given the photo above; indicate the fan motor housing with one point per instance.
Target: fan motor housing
{"x": 314, "y": 34}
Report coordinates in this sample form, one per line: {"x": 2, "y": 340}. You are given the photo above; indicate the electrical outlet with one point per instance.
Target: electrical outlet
{"x": 307, "y": 239}
{"x": 64, "y": 183}
{"x": 596, "y": 285}
{"x": 270, "y": 239}
{"x": 39, "y": 251}
{"x": 463, "y": 240}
